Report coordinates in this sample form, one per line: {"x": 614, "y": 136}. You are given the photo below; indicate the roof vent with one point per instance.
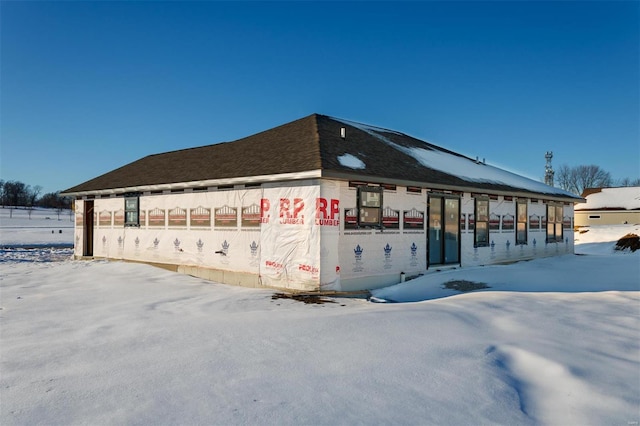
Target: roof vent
{"x": 343, "y": 132}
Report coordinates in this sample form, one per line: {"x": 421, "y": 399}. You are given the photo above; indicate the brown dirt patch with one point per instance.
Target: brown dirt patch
{"x": 581, "y": 229}
{"x": 464, "y": 285}
{"x": 309, "y": 299}
{"x": 629, "y": 241}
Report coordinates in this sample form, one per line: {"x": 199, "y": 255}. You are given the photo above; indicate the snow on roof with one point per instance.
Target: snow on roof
{"x": 625, "y": 198}
{"x": 351, "y": 161}
{"x": 458, "y": 165}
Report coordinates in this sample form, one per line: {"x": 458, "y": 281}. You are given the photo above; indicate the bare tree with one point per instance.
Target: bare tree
{"x": 629, "y": 182}
{"x": 32, "y": 194}
{"x": 577, "y": 179}
{"x": 14, "y": 192}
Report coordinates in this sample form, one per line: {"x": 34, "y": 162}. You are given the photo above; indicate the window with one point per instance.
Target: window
{"x": 554, "y": 222}
{"x": 132, "y": 210}
{"x": 370, "y": 206}
{"x": 482, "y": 222}
{"x": 388, "y": 187}
{"x": 521, "y": 222}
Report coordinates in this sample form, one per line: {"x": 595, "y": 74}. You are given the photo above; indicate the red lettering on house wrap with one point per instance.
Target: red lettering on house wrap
{"x": 272, "y": 264}
{"x": 327, "y": 212}
{"x": 265, "y": 205}
{"x": 291, "y": 213}
{"x": 308, "y": 268}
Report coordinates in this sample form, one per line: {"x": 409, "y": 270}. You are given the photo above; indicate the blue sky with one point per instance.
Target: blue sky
{"x": 87, "y": 87}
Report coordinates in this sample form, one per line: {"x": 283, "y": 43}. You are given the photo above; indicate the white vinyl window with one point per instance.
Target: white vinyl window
{"x": 521, "y": 222}
{"x": 370, "y": 206}
{"x": 554, "y": 222}
{"x": 132, "y": 210}
{"x": 482, "y": 221}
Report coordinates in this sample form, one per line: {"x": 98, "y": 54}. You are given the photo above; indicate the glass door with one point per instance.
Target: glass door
{"x": 444, "y": 230}
{"x": 451, "y": 230}
{"x": 435, "y": 231}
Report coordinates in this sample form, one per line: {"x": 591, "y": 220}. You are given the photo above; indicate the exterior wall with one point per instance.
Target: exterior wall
{"x": 502, "y": 247}
{"x": 258, "y": 236}
{"x": 372, "y": 258}
{"x": 301, "y": 235}
{"x": 606, "y": 217}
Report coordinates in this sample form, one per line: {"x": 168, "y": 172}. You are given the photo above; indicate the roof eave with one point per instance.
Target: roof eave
{"x": 310, "y": 174}
{"x": 444, "y": 187}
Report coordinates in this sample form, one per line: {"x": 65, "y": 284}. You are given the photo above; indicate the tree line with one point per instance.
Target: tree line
{"x": 18, "y": 194}
{"x": 578, "y": 178}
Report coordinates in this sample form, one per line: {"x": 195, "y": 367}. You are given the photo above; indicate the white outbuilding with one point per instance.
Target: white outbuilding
{"x": 609, "y": 206}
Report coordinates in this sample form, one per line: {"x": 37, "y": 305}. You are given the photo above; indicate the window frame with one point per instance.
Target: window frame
{"x": 522, "y": 221}
{"x": 365, "y": 208}
{"x": 484, "y": 223}
{"x": 555, "y": 224}
{"x": 132, "y": 206}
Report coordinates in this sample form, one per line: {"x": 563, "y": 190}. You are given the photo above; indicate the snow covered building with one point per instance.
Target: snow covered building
{"x": 608, "y": 206}
{"x": 319, "y": 204}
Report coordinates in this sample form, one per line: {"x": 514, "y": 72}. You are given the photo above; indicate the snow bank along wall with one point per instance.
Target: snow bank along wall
{"x": 304, "y": 235}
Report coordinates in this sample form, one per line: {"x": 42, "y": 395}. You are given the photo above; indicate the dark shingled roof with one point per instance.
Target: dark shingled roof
{"x": 310, "y": 143}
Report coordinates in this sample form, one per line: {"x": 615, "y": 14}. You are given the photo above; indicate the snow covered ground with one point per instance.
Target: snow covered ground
{"x": 39, "y": 235}
{"x": 43, "y": 227}
{"x": 551, "y": 341}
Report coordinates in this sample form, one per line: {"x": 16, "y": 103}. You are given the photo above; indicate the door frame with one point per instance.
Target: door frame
{"x": 443, "y": 197}
{"x": 88, "y": 229}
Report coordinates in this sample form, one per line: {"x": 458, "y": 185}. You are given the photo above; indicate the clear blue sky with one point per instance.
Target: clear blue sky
{"x": 87, "y": 87}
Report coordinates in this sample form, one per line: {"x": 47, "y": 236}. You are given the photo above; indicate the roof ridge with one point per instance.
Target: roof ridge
{"x": 315, "y": 115}
{"x": 369, "y": 128}
{"x": 357, "y": 124}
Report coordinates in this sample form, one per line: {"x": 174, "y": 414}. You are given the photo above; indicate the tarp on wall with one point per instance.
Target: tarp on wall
{"x": 290, "y": 238}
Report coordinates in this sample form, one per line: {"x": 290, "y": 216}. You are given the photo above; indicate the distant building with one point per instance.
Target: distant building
{"x": 609, "y": 206}
{"x": 319, "y": 204}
